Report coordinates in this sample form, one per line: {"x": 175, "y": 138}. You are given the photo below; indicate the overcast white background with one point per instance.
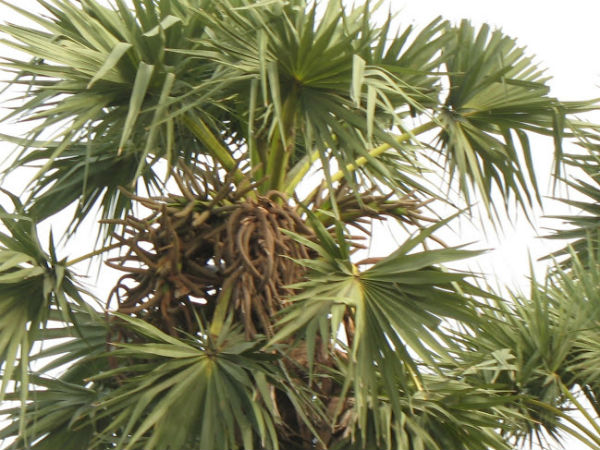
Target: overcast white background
{"x": 565, "y": 38}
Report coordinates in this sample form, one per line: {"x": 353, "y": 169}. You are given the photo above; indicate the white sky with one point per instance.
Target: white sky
{"x": 564, "y": 36}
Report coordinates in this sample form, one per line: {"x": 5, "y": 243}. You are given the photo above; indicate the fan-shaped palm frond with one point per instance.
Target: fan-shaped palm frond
{"x": 63, "y": 401}
{"x": 387, "y": 316}
{"x": 33, "y": 283}
{"x": 59, "y": 405}
{"x": 100, "y": 83}
{"x": 536, "y": 349}
{"x": 582, "y": 234}
{"x": 201, "y": 393}
{"x": 496, "y": 95}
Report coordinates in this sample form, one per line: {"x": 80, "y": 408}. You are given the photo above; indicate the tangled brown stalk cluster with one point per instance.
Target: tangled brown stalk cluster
{"x": 215, "y": 250}
{"x": 182, "y": 260}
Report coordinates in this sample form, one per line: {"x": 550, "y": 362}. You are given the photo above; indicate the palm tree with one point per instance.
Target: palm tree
{"x": 238, "y": 152}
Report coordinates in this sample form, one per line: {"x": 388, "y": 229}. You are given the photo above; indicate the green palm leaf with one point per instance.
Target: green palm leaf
{"x": 110, "y": 91}
{"x": 67, "y": 401}
{"x": 582, "y": 231}
{"x": 58, "y": 406}
{"x": 200, "y": 393}
{"x": 497, "y": 95}
{"x": 32, "y": 284}
{"x": 301, "y": 81}
{"x": 538, "y": 348}
{"x": 388, "y": 316}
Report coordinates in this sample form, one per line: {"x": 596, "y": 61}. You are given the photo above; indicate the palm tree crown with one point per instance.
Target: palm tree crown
{"x": 238, "y": 152}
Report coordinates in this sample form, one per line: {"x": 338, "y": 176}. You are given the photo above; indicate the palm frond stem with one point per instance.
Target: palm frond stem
{"x": 359, "y": 162}
{"x": 89, "y": 255}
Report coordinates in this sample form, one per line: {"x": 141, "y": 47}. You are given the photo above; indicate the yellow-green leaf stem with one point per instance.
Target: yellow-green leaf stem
{"x": 100, "y": 251}
{"x": 213, "y": 146}
{"x": 360, "y": 161}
